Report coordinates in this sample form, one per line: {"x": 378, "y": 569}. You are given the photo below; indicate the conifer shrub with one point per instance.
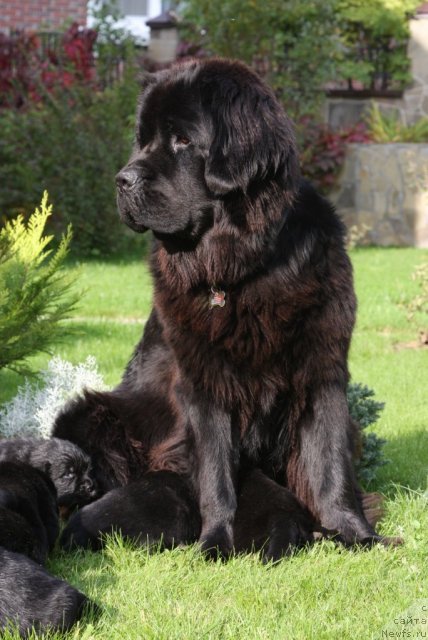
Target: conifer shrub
{"x": 36, "y": 294}
{"x": 365, "y": 410}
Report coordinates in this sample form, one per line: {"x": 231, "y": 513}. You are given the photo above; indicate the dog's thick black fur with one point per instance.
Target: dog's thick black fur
{"x": 66, "y": 464}
{"x": 28, "y": 510}
{"x": 16, "y": 531}
{"x": 31, "y": 597}
{"x": 244, "y": 357}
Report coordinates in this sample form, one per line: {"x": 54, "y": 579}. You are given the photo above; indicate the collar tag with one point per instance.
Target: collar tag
{"x": 217, "y": 298}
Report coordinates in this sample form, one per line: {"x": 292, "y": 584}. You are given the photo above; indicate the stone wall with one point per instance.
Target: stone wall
{"x": 385, "y": 186}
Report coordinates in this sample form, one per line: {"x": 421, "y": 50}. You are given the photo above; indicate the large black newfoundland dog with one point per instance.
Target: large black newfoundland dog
{"x": 243, "y": 361}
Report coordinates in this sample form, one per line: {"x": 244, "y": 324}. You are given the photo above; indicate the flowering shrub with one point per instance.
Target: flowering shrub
{"x": 32, "y": 412}
{"x": 26, "y": 73}
{"x": 322, "y": 150}
{"x": 78, "y": 47}
{"x": 18, "y": 56}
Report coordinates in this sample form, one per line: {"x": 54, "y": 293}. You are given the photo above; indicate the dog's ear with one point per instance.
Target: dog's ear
{"x": 252, "y": 138}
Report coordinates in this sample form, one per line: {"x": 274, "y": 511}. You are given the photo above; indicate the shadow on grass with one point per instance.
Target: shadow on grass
{"x": 89, "y": 572}
{"x": 408, "y": 464}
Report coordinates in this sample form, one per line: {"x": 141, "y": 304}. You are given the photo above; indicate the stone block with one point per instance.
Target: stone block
{"x": 385, "y": 186}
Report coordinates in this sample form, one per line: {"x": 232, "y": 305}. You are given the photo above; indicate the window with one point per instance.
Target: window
{"x": 133, "y": 7}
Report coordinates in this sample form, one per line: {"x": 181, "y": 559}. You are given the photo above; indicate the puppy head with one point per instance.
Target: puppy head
{"x": 205, "y": 129}
{"x": 70, "y": 470}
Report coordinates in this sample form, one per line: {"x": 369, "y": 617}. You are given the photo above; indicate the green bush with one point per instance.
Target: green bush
{"x": 374, "y": 35}
{"x": 72, "y": 145}
{"x": 416, "y": 306}
{"x": 35, "y": 294}
{"x": 365, "y": 411}
{"x": 292, "y": 43}
{"x": 302, "y": 46}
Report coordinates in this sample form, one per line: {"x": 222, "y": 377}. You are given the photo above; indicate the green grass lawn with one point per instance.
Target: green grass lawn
{"x": 323, "y": 592}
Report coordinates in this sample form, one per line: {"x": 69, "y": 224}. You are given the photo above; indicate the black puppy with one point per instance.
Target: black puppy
{"x": 31, "y": 597}
{"x": 28, "y": 510}
{"x": 16, "y": 533}
{"x": 270, "y": 519}
{"x": 162, "y": 508}
{"x": 64, "y": 462}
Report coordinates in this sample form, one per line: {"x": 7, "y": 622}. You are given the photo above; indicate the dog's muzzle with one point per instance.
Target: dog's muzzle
{"x": 127, "y": 178}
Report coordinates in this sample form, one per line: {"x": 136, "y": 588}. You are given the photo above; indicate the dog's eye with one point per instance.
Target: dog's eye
{"x": 183, "y": 140}
{"x": 69, "y": 473}
{"x": 180, "y": 140}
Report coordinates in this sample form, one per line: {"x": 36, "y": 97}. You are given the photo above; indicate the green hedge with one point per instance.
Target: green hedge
{"x": 72, "y": 144}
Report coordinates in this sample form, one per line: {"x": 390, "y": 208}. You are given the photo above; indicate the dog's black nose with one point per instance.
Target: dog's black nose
{"x": 88, "y": 487}
{"x": 127, "y": 177}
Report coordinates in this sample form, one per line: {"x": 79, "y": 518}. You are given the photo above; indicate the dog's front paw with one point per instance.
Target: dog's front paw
{"x": 383, "y": 540}
{"x": 216, "y": 543}
{"x": 77, "y": 535}
{"x": 286, "y": 535}
{"x": 352, "y": 530}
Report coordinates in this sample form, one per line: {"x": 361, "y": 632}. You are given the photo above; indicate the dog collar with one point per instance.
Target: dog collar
{"x": 217, "y": 297}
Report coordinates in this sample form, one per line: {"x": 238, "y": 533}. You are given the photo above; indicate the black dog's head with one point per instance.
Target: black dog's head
{"x": 70, "y": 470}
{"x": 206, "y": 131}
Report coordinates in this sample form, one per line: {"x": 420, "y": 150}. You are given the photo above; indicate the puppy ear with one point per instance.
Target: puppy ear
{"x": 253, "y": 139}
